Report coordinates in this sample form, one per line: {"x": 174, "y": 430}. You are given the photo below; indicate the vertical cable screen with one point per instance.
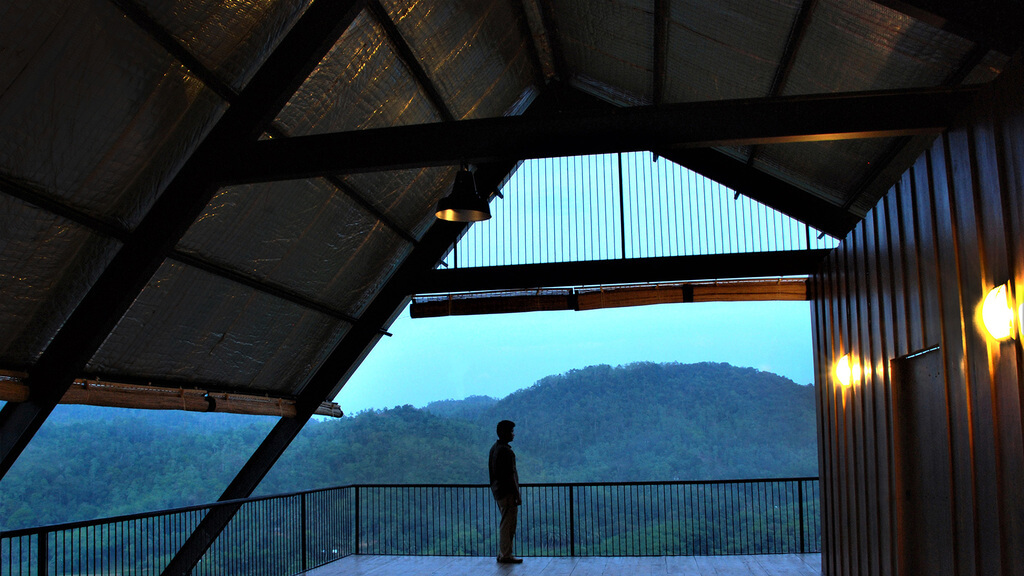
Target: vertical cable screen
{"x": 630, "y": 205}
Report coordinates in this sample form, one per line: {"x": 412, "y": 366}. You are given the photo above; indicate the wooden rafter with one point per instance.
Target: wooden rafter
{"x": 121, "y": 395}
{"x": 618, "y": 296}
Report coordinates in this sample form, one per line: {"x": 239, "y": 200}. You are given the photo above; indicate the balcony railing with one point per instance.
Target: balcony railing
{"x": 289, "y": 533}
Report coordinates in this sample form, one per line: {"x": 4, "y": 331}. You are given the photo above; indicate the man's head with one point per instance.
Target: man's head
{"x": 505, "y": 430}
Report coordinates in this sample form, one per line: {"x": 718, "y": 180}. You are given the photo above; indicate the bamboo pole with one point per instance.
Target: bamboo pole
{"x": 112, "y": 394}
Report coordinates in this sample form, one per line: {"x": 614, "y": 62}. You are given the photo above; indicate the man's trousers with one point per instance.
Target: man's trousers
{"x": 507, "y": 528}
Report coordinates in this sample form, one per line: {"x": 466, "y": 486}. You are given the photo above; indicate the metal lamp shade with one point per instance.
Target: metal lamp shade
{"x": 463, "y": 204}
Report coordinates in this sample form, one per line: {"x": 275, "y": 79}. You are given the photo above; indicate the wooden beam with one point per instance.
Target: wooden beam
{"x": 119, "y": 395}
{"x": 628, "y": 271}
{"x": 778, "y": 289}
{"x": 665, "y": 127}
{"x": 788, "y": 289}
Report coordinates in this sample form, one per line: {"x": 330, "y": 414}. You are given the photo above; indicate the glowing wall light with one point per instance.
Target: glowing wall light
{"x": 997, "y": 312}
{"x": 847, "y": 371}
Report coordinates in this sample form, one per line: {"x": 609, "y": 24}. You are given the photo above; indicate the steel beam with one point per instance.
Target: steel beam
{"x": 766, "y": 189}
{"x": 405, "y": 54}
{"x": 628, "y": 271}
{"x": 549, "y": 22}
{"x": 664, "y": 127}
{"x": 331, "y": 375}
{"x": 660, "y": 72}
{"x": 166, "y": 222}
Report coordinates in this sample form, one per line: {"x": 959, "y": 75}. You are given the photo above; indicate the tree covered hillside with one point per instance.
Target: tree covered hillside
{"x": 637, "y": 422}
{"x": 663, "y": 422}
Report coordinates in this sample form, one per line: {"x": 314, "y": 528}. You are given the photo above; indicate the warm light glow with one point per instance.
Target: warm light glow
{"x": 847, "y": 371}
{"x": 997, "y": 312}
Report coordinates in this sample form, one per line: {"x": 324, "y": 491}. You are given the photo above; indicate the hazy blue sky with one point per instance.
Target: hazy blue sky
{"x": 494, "y": 355}
{"x": 566, "y": 209}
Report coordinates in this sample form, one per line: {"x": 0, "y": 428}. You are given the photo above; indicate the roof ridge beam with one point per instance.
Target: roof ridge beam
{"x": 923, "y": 111}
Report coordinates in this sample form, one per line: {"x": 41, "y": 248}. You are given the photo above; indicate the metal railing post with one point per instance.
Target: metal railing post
{"x": 356, "y": 531}
{"x": 627, "y": 513}
{"x": 305, "y": 528}
{"x": 572, "y": 524}
{"x": 800, "y": 497}
{"x": 43, "y": 554}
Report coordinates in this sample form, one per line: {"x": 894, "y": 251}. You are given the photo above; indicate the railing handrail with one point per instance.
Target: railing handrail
{"x": 295, "y": 531}
{"x": 19, "y": 532}
{"x": 602, "y": 483}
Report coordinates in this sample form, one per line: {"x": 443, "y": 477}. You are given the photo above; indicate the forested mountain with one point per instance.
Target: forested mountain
{"x": 638, "y": 422}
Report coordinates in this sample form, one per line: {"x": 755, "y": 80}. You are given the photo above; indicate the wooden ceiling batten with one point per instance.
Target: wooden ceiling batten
{"x": 596, "y": 298}
{"x": 120, "y": 395}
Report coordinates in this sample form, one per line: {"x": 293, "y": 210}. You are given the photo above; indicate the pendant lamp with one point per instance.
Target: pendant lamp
{"x": 463, "y": 204}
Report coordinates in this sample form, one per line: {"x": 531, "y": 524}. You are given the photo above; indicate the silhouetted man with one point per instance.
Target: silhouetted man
{"x": 501, "y": 466}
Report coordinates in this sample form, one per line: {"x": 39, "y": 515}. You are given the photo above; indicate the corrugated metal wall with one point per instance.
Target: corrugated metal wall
{"x": 910, "y": 278}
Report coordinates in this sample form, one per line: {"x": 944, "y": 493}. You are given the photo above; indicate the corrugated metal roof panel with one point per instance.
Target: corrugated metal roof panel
{"x": 989, "y": 67}
{"x": 47, "y": 264}
{"x": 192, "y": 326}
{"x": 229, "y": 38}
{"x": 858, "y": 45}
{"x": 471, "y": 51}
{"x": 361, "y": 83}
{"x": 303, "y": 235}
{"x": 94, "y": 112}
{"x": 407, "y": 197}
{"x": 831, "y": 169}
{"x": 609, "y": 43}
{"x": 726, "y": 49}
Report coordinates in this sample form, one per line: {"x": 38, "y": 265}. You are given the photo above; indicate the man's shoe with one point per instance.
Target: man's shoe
{"x": 510, "y": 560}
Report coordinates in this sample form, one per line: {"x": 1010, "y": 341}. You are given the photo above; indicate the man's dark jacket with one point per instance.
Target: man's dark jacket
{"x": 502, "y": 468}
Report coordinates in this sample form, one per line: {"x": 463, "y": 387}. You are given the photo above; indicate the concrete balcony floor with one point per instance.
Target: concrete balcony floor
{"x": 763, "y": 565}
